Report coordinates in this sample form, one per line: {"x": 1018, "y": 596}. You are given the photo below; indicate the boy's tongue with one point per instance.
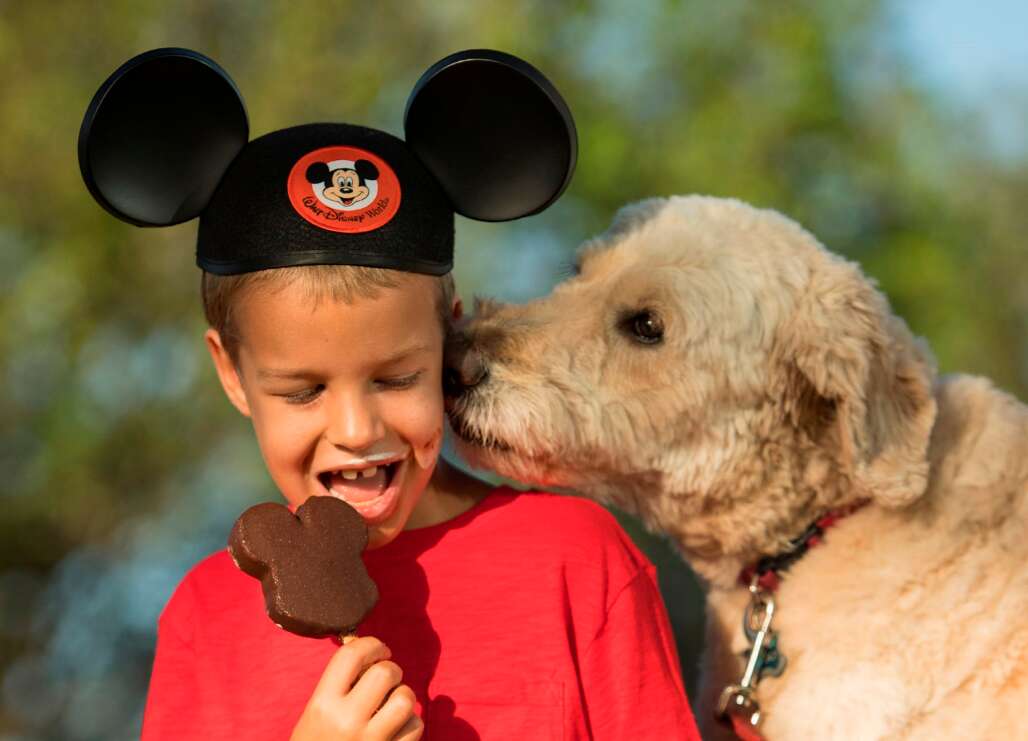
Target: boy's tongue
{"x": 360, "y": 489}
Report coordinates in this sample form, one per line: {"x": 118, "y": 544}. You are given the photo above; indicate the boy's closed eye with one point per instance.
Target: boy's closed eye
{"x": 311, "y": 393}
{"x": 303, "y": 396}
{"x": 400, "y": 382}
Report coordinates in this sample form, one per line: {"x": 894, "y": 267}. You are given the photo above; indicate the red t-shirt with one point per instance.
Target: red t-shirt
{"x": 530, "y": 616}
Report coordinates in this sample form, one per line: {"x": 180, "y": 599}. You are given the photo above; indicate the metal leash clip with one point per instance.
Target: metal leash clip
{"x": 739, "y": 699}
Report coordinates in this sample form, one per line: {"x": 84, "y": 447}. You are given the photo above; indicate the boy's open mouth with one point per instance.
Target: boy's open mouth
{"x": 372, "y": 490}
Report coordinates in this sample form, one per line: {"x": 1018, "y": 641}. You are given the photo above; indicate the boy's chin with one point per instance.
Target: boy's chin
{"x": 380, "y": 535}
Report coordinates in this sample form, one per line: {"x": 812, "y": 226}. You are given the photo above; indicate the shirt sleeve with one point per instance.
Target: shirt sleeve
{"x": 631, "y": 680}
{"x": 171, "y": 701}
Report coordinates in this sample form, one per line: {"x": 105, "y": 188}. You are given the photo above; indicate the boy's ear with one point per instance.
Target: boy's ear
{"x": 457, "y": 310}
{"x": 227, "y": 373}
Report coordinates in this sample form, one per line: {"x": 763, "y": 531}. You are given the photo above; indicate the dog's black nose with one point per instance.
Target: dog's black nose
{"x": 463, "y": 366}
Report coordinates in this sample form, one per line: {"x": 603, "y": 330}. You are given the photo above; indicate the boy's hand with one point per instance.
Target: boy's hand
{"x": 360, "y": 698}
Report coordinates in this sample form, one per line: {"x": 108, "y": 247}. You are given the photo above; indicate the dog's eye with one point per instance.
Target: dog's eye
{"x": 645, "y": 327}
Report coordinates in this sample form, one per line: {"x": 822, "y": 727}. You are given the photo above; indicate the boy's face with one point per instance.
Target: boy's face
{"x": 346, "y": 399}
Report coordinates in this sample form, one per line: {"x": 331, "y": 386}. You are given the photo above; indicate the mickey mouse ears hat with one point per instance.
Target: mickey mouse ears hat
{"x": 165, "y": 139}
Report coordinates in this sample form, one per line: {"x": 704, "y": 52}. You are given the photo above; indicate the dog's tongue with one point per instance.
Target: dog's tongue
{"x": 360, "y": 489}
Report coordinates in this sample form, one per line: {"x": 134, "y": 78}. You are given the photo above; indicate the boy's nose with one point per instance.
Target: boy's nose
{"x": 354, "y": 424}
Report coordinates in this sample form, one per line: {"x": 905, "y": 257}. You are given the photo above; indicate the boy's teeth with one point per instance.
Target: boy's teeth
{"x": 354, "y": 474}
{"x": 358, "y": 485}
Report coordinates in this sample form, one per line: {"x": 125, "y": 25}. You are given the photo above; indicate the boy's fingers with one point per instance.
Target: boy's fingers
{"x": 411, "y": 730}
{"x": 348, "y": 662}
{"x": 394, "y": 715}
{"x": 374, "y": 685}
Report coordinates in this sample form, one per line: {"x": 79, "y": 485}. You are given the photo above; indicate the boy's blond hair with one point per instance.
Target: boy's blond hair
{"x": 337, "y": 282}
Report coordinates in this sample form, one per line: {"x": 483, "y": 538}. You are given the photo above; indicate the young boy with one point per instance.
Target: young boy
{"x": 501, "y": 615}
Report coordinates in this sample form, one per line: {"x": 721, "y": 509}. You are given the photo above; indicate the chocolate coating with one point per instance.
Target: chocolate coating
{"x": 309, "y": 564}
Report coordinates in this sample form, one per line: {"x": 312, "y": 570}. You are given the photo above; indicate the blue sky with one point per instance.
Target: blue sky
{"x": 976, "y": 56}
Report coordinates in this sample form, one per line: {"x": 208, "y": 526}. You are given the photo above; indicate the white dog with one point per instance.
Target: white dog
{"x": 714, "y": 370}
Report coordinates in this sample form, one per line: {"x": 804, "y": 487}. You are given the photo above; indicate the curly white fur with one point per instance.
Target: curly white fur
{"x": 783, "y": 387}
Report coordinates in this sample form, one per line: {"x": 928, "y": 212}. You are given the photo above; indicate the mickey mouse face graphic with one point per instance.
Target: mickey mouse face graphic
{"x": 344, "y": 184}
{"x": 344, "y": 188}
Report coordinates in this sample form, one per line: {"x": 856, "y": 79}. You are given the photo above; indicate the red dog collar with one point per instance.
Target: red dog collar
{"x": 738, "y": 704}
{"x": 769, "y": 568}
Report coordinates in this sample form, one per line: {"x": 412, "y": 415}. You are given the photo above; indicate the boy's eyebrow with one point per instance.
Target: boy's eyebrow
{"x": 405, "y": 352}
{"x": 265, "y": 374}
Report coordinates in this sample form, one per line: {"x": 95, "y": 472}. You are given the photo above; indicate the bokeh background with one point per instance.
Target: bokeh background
{"x": 894, "y": 130}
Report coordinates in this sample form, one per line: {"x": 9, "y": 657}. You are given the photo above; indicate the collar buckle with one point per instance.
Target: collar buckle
{"x": 763, "y": 657}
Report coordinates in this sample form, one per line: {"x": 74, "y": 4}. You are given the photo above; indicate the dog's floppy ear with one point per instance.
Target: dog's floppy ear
{"x": 860, "y": 359}
{"x": 494, "y": 131}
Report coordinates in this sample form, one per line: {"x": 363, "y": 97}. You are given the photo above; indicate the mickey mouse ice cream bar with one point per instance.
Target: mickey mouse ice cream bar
{"x": 309, "y": 564}
{"x": 166, "y": 139}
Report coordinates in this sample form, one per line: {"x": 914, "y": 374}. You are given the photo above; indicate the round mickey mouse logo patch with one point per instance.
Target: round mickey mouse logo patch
{"x": 344, "y": 189}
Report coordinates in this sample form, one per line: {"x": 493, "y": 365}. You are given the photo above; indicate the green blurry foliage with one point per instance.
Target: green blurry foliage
{"x": 805, "y": 107}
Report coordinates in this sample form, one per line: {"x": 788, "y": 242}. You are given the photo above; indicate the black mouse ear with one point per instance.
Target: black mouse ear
{"x": 318, "y": 172}
{"x": 494, "y": 132}
{"x": 366, "y": 170}
{"x": 159, "y": 134}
